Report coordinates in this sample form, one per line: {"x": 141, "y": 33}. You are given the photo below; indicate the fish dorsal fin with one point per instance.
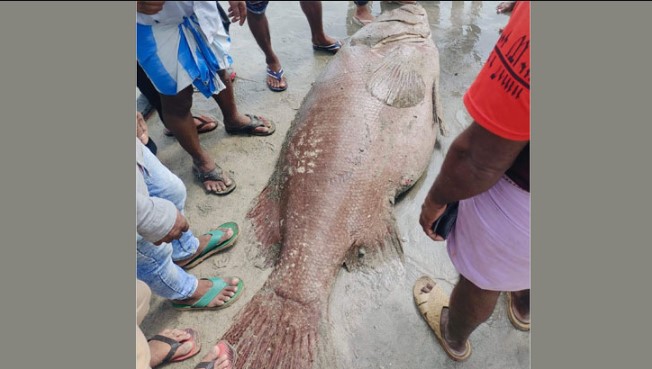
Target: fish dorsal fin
{"x": 395, "y": 82}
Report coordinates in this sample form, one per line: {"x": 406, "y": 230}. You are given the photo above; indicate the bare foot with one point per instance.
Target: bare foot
{"x": 363, "y": 14}
{"x": 221, "y": 355}
{"x": 159, "y": 350}
{"x": 204, "y": 285}
{"x": 203, "y": 241}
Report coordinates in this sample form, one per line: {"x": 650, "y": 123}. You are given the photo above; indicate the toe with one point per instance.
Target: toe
{"x": 180, "y": 335}
{"x": 184, "y": 349}
{"x": 228, "y": 294}
{"x": 228, "y": 233}
{"x": 222, "y": 299}
{"x": 230, "y": 289}
{"x": 223, "y": 363}
{"x": 175, "y": 334}
{"x": 219, "y": 186}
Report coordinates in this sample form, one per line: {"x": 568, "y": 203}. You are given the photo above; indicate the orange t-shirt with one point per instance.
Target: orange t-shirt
{"x": 499, "y": 98}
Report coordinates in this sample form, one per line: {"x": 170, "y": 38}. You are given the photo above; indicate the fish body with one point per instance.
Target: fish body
{"x": 364, "y": 134}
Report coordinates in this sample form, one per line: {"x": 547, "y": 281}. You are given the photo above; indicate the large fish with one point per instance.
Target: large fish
{"x": 364, "y": 134}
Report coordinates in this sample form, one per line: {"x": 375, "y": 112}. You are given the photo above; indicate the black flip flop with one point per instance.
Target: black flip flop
{"x": 250, "y": 129}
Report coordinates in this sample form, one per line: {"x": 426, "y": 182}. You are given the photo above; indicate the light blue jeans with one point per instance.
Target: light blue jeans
{"x": 155, "y": 264}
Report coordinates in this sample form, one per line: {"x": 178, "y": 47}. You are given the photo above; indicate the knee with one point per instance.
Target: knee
{"x": 179, "y": 105}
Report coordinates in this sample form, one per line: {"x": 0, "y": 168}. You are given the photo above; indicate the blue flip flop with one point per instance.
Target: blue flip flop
{"x": 279, "y": 77}
{"x": 333, "y": 48}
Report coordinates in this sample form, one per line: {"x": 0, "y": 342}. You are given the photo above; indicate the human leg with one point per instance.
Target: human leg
{"x": 362, "y": 14}
{"x": 259, "y": 27}
{"x": 320, "y": 40}
{"x": 164, "y": 184}
{"x": 203, "y": 124}
{"x": 469, "y": 307}
{"x": 176, "y": 111}
{"x": 154, "y": 266}
{"x": 233, "y": 119}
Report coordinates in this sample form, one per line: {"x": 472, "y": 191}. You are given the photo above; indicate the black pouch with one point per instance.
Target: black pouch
{"x": 446, "y": 221}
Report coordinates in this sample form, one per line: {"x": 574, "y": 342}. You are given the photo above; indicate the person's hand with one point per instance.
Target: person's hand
{"x": 149, "y": 7}
{"x": 141, "y": 129}
{"x": 430, "y": 212}
{"x": 238, "y": 11}
{"x": 180, "y": 225}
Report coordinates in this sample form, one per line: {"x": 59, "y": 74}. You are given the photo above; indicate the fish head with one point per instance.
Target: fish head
{"x": 408, "y": 23}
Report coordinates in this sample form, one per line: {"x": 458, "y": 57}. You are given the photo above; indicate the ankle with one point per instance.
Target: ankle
{"x": 273, "y": 61}
{"x": 202, "y": 288}
{"x": 453, "y": 342}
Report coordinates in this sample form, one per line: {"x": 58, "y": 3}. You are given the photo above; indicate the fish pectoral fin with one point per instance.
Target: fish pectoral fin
{"x": 374, "y": 249}
{"x": 395, "y": 83}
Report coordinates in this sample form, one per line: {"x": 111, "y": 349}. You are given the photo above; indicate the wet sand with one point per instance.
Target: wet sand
{"x": 374, "y": 322}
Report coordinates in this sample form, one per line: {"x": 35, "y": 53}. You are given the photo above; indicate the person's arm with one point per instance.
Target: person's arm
{"x": 474, "y": 163}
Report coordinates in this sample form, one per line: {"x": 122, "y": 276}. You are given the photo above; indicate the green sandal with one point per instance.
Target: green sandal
{"x": 213, "y": 246}
{"x": 216, "y": 288}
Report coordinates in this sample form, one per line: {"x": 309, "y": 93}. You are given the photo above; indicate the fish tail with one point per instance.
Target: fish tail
{"x": 273, "y": 332}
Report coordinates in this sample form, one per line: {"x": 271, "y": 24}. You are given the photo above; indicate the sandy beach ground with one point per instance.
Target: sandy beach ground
{"x": 374, "y": 322}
